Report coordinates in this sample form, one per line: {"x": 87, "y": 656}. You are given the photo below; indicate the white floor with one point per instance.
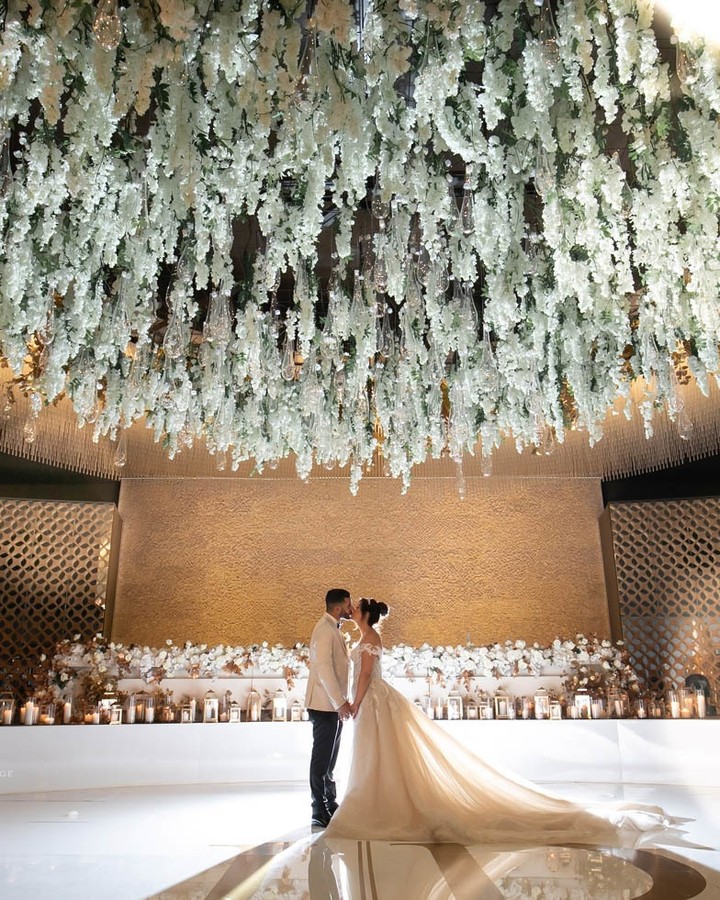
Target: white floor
{"x": 131, "y": 843}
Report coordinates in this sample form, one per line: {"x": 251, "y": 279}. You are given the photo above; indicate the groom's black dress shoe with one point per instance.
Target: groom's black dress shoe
{"x": 319, "y": 820}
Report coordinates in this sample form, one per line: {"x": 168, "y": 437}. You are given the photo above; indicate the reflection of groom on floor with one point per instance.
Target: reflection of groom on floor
{"x": 326, "y": 702}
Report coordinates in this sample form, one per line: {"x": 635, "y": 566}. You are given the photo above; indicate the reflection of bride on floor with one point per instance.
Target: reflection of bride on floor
{"x": 411, "y": 781}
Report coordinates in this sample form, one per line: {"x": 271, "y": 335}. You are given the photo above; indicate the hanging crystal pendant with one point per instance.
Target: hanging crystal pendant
{"x": 379, "y": 207}
{"x": 107, "y": 27}
{"x": 544, "y": 173}
{"x": 424, "y": 265}
{"x": 380, "y": 273}
{"x": 120, "y": 455}
{"x": 287, "y": 371}
{"x": 467, "y": 213}
{"x": 174, "y": 341}
{"x": 30, "y": 429}
{"x": 218, "y": 323}
{"x": 453, "y": 217}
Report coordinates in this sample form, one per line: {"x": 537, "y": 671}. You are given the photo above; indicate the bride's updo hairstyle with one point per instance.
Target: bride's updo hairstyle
{"x": 373, "y": 609}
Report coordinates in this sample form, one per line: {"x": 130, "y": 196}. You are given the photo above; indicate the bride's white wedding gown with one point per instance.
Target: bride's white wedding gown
{"x": 411, "y": 781}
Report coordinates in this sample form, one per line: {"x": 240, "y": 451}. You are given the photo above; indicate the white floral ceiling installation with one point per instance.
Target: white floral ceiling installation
{"x": 518, "y": 205}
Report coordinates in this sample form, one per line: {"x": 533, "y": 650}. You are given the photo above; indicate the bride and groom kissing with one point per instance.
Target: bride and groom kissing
{"x": 409, "y": 779}
{"x": 327, "y": 695}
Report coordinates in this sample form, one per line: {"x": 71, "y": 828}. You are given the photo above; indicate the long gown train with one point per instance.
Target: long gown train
{"x": 411, "y": 781}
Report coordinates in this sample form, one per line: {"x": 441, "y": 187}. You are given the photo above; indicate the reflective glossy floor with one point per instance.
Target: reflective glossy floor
{"x": 239, "y": 841}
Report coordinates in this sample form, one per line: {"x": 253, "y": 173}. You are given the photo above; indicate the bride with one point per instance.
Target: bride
{"x": 411, "y": 781}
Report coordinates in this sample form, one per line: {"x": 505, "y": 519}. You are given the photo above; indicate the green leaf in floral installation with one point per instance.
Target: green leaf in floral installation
{"x": 161, "y": 94}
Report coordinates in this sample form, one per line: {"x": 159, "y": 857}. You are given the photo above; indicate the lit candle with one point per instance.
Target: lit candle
{"x": 7, "y": 716}
{"x": 439, "y": 710}
{"x": 701, "y": 709}
{"x": 96, "y": 718}
{"x": 29, "y": 713}
{"x": 596, "y": 709}
{"x": 67, "y": 712}
{"x": 675, "y": 709}
{"x": 88, "y": 718}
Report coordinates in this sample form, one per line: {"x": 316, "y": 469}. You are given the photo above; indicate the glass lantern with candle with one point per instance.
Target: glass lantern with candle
{"x": 582, "y": 702}
{"x": 525, "y": 705}
{"x": 296, "y": 711}
{"x": 555, "y": 710}
{"x": 471, "y": 709}
{"x": 700, "y": 703}
{"x": 673, "y": 704}
{"x": 140, "y": 703}
{"x": 211, "y": 708}
{"x": 502, "y": 704}
{"x": 187, "y": 713}
{"x": 428, "y": 705}
{"x": 486, "y": 710}
{"x": 7, "y": 708}
{"x": 657, "y": 708}
{"x": 454, "y": 706}
{"x": 279, "y": 706}
{"x": 150, "y": 709}
{"x": 234, "y": 713}
{"x": 253, "y": 707}
{"x": 542, "y": 704}
{"x": 641, "y": 708}
{"x": 47, "y": 714}
{"x": 29, "y": 712}
{"x": 116, "y": 714}
{"x": 687, "y": 703}
{"x": 617, "y": 703}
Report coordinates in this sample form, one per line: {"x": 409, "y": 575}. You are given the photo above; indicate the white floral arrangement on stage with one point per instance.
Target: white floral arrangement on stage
{"x": 101, "y": 660}
{"x": 498, "y": 270}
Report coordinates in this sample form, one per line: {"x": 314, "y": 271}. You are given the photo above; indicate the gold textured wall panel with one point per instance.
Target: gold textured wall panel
{"x": 239, "y": 562}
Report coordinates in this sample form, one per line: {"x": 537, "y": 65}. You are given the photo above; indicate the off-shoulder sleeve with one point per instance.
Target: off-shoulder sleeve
{"x": 369, "y": 648}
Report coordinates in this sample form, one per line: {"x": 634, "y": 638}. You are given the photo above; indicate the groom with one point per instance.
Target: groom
{"x": 326, "y": 702}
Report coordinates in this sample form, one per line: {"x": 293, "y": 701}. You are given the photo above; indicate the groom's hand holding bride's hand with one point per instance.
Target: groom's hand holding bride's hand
{"x": 345, "y": 711}
{"x": 354, "y": 708}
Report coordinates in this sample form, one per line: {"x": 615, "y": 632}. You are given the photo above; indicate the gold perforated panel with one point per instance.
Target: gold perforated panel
{"x": 54, "y": 562}
{"x": 667, "y": 557}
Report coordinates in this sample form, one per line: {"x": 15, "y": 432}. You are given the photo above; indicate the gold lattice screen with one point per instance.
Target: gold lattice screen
{"x": 667, "y": 557}
{"x": 55, "y": 559}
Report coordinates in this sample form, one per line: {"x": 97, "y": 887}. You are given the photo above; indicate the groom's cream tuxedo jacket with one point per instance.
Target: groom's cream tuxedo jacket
{"x": 328, "y": 681}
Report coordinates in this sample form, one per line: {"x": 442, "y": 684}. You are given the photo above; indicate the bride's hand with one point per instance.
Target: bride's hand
{"x": 354, "y": 709}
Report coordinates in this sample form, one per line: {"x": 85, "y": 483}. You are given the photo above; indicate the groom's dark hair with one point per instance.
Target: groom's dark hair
{"x": 336, "y": 596}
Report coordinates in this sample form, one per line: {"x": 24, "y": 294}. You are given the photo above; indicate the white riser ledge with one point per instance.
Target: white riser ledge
{"x": 56, "y": 758}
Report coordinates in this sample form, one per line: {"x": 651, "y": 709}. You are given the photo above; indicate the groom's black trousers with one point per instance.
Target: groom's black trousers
{"x": 327, "y": 727}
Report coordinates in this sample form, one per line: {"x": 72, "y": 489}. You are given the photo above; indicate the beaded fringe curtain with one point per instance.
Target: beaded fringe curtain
{"x": 623, "y": 450}
{"x": 54, "y": 567}
{"x": 667, "y": 557}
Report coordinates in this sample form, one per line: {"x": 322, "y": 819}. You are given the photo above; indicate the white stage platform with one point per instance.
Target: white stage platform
{"x": 56, "y": 758}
